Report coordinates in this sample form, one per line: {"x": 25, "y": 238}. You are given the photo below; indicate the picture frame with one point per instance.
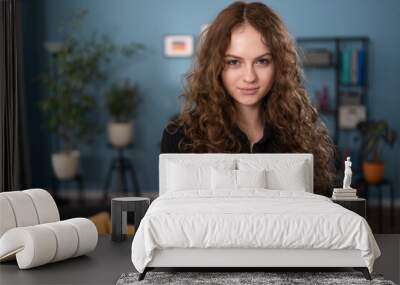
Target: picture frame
{"x": 351, "y": 115}
{"x": 178, "y": 45}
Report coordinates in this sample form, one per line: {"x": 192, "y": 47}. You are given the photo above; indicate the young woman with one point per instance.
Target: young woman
{"x": 245, "y": 93}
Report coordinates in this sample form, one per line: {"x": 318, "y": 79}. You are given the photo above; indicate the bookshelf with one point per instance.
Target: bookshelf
{"x": 347, "y": 82}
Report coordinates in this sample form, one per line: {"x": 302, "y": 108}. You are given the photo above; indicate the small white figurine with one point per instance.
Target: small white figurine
{"x": 347, "y": 174}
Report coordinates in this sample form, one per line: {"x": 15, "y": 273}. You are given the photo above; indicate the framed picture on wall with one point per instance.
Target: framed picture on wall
{"x": 178, "y": 45}
{"x": 351, "y": 115}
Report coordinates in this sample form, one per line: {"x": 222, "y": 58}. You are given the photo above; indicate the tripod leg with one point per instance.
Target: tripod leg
{"x": 121, "y": 171}
{"x": 135, "y": 182}
{"x": 108, "y": 179}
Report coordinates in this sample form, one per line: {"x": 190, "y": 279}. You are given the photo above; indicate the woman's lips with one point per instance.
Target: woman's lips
{"x": 248, "y": 91}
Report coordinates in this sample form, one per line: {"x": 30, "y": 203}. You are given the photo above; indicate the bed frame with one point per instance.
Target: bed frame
{"x": 249, "y": 258}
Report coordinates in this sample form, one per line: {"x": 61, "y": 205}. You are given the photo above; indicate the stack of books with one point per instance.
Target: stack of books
{"x": 344, "y": 194}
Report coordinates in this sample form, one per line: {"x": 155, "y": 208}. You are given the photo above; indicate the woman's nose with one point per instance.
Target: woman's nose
{"x": 249, "y": 74}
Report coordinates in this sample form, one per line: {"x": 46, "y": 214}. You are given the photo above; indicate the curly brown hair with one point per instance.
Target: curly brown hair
{"x": 207, "y": 115}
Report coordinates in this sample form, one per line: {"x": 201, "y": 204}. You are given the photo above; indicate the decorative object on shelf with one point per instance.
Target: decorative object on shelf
{"x": 121, "y": 102}
{"x": 322, "y": 98}
{"x": 178, "y": 45}
{"x": 317, "y": 57}
{"x": 347, "y": 174}
{"x": 351, "y": 115}
{"x": 347, "y": 192}
{"x": 372, "y": 134}
{"x": 350, "y": 98}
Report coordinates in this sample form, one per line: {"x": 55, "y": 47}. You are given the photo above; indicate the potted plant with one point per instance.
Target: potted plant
{"x": 121, "y": 102}
{"x": 75, "y": 71}
{"x": 373, "y": 133}
{"x": 71, "y": 119}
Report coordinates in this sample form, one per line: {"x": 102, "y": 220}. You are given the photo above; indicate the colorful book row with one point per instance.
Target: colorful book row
{"x": 352, "y": 66}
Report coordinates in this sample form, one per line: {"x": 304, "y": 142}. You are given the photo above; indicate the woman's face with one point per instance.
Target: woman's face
{"x": 248, "y": 73}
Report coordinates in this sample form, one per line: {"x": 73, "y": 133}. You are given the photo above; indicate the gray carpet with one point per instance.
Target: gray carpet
{"x": 229, "y": 278}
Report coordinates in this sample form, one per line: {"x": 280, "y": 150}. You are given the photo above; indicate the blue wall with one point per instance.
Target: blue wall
{"x": 160, "y": 79}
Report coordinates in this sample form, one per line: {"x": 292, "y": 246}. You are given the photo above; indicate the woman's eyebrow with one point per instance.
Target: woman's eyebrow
{"x": 235, "y": 56}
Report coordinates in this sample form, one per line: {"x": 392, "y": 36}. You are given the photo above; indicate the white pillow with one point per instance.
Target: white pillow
{"x": 236, "y": 179}
{"x": 281, "y": 175}
{"x": 223, "y": 179}
{"x": 188, "y": 175}
{"x": 251, "y": 178}
{"x": 292, "y": 179}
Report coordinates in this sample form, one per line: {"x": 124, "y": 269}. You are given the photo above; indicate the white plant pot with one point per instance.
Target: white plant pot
{"x": 120, "y": 134}
{"x": 65, "y": 164}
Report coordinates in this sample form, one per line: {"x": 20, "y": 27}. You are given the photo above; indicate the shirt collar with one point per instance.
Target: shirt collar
{"x": 267, "y": 135}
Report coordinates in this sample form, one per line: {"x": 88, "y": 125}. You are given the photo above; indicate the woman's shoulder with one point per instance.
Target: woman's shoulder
{"x": 172, "y": 135}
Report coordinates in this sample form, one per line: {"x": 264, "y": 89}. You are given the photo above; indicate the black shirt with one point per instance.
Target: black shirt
{"x": 267, "y": 144}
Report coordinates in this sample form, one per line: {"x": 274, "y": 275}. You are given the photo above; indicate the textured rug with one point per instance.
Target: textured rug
{"x": 230, "y": 278}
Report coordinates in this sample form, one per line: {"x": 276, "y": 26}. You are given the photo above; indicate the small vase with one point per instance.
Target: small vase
{"x": 373, "y": 171}
{"x": 120, "y": 134}
{"x": 65, "y": 164}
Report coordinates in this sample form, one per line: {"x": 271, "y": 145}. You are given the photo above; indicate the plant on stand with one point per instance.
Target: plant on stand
{"x": 121, "y": 102}
{"x": 373, "y": 133}
{"x": 77, "y": 69}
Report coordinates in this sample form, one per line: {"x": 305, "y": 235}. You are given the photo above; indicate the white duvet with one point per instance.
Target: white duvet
{"x": 251, "y": 218}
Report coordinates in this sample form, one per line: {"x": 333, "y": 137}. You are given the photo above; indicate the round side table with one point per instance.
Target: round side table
{"x": 119, "y": 209}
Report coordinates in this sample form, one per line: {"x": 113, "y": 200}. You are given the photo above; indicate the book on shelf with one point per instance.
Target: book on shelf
{"x": 342, "y": 190}
{"x": 344, "y": 198}
{"x": 344, "y": 194}
{"x": 361, "y": 66}
{"x": 352, "y": 66}
{"x": 345, "y": 67}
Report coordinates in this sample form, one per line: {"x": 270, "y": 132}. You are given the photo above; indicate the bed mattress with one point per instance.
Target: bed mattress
{"x": 250, "y": 219}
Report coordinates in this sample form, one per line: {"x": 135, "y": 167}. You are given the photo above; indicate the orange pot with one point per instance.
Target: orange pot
{"x": 373, "y": 171}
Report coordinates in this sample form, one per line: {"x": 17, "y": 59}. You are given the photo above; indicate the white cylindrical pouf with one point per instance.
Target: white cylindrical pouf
{"x": 23, "y": 208}
{"x": 46, "y": 207}
{"x": 7, "y": 218}
{"x": 87, "y": 234}
{"x": 34, "y": 245}
{"x": 67, "y": 239}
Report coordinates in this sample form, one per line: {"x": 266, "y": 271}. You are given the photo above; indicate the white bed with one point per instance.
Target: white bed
{"x": 247, "y": 210}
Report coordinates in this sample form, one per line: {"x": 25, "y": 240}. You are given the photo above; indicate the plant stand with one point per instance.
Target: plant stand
{"x": 56, "y": 183}
{"x": 123, "y": 167}
{"x": 385, "y": 184}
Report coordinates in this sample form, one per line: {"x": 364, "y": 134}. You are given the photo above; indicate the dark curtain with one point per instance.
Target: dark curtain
{"x": 14, "y": 162}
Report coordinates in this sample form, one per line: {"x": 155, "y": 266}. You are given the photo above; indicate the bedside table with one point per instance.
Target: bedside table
{"x": 357, "y": 205}
{"x": 120, "y": 207}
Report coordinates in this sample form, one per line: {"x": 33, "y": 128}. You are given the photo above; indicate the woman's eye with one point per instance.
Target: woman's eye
{"x": 232, "y": 62}
{"x": 264, "y": 61}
